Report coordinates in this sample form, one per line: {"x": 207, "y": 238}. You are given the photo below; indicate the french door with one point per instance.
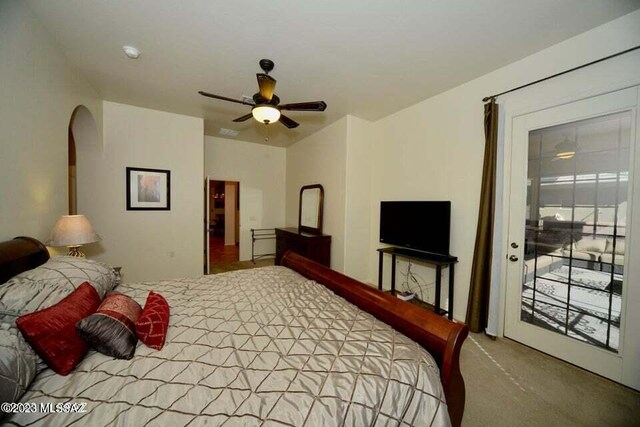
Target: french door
{"x": 570, "y": 210}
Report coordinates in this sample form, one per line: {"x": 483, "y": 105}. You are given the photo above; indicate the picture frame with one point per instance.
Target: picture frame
{"x": 148, "y": 189}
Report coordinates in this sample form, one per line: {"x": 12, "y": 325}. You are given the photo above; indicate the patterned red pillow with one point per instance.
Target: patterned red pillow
{"x": 111, "y": 329}
{"x": 52, "y": 332}
{"x": 152, "y": 325}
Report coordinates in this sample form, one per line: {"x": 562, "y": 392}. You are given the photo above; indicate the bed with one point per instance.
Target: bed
{"x": 297, "y": 344}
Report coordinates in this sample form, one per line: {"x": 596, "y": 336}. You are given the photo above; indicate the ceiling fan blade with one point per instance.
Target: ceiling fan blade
{"x": 224, "y": 98}
{"x": 288, "y": 122}
{"x": 305, "y": 106}
{"x": 243, "y": 118}
{"x": 267, "y": 86}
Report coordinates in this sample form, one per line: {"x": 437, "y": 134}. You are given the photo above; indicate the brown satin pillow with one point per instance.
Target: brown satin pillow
{"x": 111, "y": 329}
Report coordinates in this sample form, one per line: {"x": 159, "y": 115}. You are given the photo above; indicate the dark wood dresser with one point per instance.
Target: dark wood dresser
{"x": 313, "y": 246}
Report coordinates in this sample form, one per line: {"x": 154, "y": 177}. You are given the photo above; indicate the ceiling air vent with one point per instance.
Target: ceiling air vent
{"x": 229, "y": 132}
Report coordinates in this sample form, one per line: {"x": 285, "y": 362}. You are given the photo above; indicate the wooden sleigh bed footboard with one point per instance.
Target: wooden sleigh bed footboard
{"x": 441, "y": 337}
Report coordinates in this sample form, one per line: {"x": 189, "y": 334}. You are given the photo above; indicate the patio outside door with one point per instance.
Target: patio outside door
{"x": 570, "y": 198}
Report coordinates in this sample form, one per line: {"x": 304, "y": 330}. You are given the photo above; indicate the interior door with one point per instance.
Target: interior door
{"x": 570, "y": 198}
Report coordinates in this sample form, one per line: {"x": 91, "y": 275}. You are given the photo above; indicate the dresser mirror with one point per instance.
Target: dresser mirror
{"x": 310, "y": 210}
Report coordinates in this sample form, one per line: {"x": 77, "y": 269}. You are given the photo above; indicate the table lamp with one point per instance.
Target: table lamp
{"x": 73, "y": 231}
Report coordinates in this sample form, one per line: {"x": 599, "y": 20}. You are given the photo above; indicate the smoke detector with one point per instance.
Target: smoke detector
{"x": 131, "y": 52}
{"x": 229, "y": 132}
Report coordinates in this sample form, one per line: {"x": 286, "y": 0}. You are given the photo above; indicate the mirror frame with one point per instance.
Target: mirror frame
{"x": 318, "y": 229}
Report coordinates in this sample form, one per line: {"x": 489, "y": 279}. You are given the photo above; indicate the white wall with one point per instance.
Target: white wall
{"x": 433, "y": 150}
{"x": 39, "y": 90}
{"x": 321, "y": 159}
{"x": 261, "y": 171}
{"x": 361, "y": 139}
{"x": 147, "y": 244}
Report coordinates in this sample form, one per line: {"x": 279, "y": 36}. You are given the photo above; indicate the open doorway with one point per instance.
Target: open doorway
{"x": 224, "y": 222}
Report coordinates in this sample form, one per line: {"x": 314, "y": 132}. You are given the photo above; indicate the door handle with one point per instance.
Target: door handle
{"x": 513, "y": 258}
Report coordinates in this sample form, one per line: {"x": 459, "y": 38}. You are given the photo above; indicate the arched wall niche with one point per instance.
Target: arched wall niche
{"x": 83, "y": 132}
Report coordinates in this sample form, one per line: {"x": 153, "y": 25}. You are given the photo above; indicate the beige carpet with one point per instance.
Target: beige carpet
{"x": 240, "y": 265}
{"x": 509, "y": 384}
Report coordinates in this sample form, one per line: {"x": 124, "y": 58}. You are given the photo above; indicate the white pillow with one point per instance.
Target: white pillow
{"x": 49, "y": 283}
{"x": 17, "y": 364}
{"x": 591, "y": 244}
{"x": 620, "y": 244}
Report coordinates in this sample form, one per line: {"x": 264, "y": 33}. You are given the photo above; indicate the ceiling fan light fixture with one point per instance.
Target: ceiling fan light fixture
{"x": 265, "y": 103}
{"x": 565, "y": 155}
{"x": 265, "y": 114}
{"x": 566, "y": 149}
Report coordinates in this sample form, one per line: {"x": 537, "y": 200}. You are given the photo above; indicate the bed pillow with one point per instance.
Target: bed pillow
{"x": 111, "y": 329}
{"x": 591, "y": 244}
{"x": 49, "y": 283}
{"x": 151, "y": 327}
{"x": 620, "y": 242}
{"x": 52, "y": 333}
{"x": 17, "y": 364}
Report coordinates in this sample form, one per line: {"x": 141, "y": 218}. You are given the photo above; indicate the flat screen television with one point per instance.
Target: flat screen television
{"x": 420, "y": 225}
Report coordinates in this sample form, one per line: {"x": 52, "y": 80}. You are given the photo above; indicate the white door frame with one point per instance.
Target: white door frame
{"x": 603, "y": 362}
{"x": 241, "y": 245}
{"x": 514, "y": 106}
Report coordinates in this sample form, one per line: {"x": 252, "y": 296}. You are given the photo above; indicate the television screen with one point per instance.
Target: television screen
{"x": 422, "y": 226}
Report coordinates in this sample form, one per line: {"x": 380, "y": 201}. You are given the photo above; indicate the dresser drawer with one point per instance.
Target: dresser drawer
{"x": 316, "y": 247}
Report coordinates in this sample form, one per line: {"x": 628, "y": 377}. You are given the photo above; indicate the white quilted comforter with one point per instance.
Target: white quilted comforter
{"x": 253, "y": 347}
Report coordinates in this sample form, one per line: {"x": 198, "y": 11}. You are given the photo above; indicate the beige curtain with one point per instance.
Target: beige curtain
{"x": 478, "y": 305}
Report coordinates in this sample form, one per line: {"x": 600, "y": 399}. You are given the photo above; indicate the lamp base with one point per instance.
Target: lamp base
{"x": 75, "y": 251}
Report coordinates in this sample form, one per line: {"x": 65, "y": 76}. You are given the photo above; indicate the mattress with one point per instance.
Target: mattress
{"x": 253, "y": 347}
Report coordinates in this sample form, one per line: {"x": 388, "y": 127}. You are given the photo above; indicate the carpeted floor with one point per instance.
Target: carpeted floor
{"x": 509, "y": 384}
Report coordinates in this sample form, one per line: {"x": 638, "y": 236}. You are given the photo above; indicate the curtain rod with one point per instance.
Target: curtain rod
{"x": 488, "y": 98}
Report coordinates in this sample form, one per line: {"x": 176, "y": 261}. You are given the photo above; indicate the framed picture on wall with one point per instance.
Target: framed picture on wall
{"x": 148, "y": 189}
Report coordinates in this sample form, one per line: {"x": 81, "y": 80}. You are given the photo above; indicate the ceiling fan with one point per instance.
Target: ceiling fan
{"x": 565, "y": 150}
{"x": 265, "y": 106}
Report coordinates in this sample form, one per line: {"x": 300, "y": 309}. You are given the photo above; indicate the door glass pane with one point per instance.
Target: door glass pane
{"x": 575, "y": 228}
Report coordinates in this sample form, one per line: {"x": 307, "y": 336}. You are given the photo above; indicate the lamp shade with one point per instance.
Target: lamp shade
{"x": 72, "y": 230}
{"x": 265, "y": 114}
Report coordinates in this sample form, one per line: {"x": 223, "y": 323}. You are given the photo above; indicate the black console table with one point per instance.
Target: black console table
{"x": 438, "y": 261}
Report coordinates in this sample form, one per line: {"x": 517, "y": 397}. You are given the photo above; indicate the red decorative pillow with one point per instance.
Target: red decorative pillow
{"x": 52, "y": 332}
{"x": 111, "y": 329}
{"x": 153, "y": 323}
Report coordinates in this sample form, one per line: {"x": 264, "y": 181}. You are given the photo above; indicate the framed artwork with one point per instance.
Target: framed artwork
{"x": 148, "y": 189}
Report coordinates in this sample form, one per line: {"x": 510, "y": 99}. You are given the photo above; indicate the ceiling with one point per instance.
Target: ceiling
{"x": 368, "y": 58}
